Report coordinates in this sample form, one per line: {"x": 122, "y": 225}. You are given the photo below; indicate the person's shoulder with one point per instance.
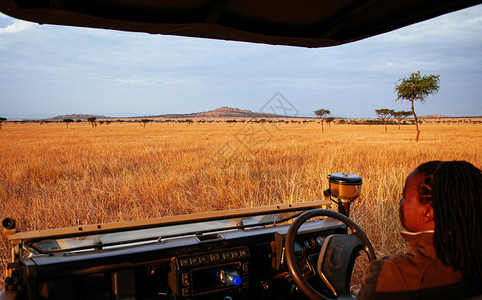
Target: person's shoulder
{"x": 383, "y": 276}
{"x": 391, "y": 273}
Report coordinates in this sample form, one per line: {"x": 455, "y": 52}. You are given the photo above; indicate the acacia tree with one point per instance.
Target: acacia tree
{"x": 417, "y": 87}
{"x": 1, "y": 121}
{"x": 145, "y": 121}
{"x": 92, "y": 121}
{"x": 67, "y": 121}
{"x": 329, "y": 120}
{"x": 322, "y": 114}
{"x": 401, "y": 115}
{"x": 384, "y": 114}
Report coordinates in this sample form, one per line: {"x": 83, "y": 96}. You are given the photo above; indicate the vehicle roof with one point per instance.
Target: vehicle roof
{"x": 310, "y": 23}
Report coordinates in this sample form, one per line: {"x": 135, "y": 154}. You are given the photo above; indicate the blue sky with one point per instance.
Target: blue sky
{"x": 52, "y": 70}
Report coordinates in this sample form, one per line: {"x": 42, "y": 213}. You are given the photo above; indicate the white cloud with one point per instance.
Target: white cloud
{"x": 464, "y": 24}
{"x": 16, "y": 26}
{"x": 148, "y": 81}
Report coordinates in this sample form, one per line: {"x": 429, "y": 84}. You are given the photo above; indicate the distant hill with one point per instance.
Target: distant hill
{"x": 223, "y": 112}
{"x": 75, "y": 117}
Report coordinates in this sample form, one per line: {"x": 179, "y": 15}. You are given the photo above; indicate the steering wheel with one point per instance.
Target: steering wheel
{"x": 337, "y": 256}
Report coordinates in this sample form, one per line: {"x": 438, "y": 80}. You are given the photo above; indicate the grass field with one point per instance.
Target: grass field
{"x": 53, "y": 176}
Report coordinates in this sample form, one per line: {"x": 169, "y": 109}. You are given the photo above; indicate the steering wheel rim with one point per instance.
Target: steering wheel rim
{"x": 293, "y": 268}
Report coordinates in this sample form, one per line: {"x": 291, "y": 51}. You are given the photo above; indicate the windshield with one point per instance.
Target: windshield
{"x": 102, "y": 240}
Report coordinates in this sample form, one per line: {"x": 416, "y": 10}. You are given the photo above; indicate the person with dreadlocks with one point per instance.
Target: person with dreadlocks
{"x": 441, "y": 210}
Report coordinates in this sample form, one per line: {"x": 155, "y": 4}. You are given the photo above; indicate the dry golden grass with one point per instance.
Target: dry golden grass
{"x": 53, "y": 176}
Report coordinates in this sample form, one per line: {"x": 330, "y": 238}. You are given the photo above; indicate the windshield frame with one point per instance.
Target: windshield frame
{"x": 230, "y": 218}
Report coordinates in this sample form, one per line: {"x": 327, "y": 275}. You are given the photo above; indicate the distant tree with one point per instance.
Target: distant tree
{"x": 1, "y": 121}
{"x": 384, "y": 114}
{"x": 322, "y": 114}
{"x": 401, "y": 115}
{"x": 92, "y": 121}
{"x": 145, "y": 121}
{"x": 417, "y": 87}
{"x": 67, "y": 121}
{"x": 329, "y": 120}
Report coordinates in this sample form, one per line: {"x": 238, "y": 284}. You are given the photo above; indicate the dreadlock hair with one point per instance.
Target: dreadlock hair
{"x": 454, "y": 188}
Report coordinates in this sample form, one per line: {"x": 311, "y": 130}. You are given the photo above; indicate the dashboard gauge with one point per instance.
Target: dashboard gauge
{"x": 299, "y": 252}
{"x": 309, "y": 243}
{"x": 319, "y": 240}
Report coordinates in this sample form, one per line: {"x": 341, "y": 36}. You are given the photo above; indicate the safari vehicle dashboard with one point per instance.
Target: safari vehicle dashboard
{"x": 235, "y": 254}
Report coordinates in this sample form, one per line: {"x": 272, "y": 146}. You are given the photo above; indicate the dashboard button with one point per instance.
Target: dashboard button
{"x": 245, "y": 267}
{"x": 185, "y": 262}
{"x": 214, "y": 256}
{"x": 195, "y": 260}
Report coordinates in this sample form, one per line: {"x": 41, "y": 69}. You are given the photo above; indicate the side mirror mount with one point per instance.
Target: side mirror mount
{"x": 343, "y": 189}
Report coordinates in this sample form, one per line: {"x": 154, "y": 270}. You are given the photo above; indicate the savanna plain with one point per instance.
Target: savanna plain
{"x": 54, "y": 176}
